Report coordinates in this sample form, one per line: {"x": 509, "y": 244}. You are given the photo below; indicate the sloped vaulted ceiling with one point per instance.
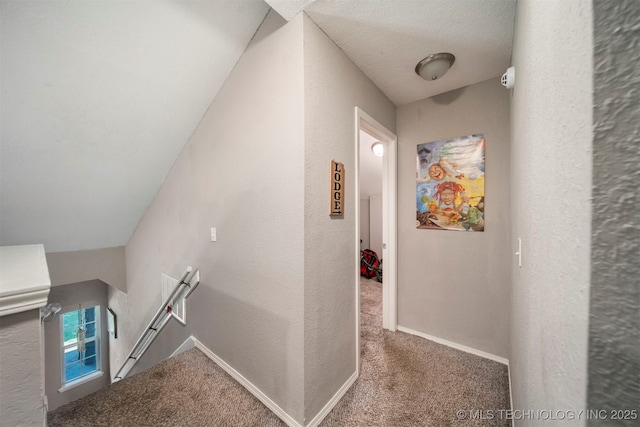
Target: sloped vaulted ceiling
{"x": 97, "y": 100}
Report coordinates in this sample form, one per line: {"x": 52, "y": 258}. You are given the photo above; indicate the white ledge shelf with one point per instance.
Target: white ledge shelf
{"x": 24, "y": 278}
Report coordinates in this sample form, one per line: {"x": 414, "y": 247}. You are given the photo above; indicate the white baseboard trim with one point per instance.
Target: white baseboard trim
{"x": 186, "y": 345}
{"x": 333, "y": 401}
{"x": 510, "y": 390}
{"x": 247, "y": 384}
{"x": 456, "y": 346}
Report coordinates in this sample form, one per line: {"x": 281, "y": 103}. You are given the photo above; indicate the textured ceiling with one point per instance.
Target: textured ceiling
{"x": 97, "y": 100}
{"x": 288, "y": 9}
{"x": 387, "y": 38}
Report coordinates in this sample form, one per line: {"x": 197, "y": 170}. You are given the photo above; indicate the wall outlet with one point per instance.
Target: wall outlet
{"x": 214, "y": 237}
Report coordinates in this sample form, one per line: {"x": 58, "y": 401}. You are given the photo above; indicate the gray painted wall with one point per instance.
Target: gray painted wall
{"x": 551, "y": 143}
{"x": 106, "y": 264}
{"x": 88, "y": 294}
{"x": 614, "y": 319}
{"x": 364, "y": 223}
{"x": 375, "y": 224}
{"x": 21, "y": 386}
{"x": 333, "y": 87}
{"x": 242, "y": 171}
{"x": 455, "y": 285}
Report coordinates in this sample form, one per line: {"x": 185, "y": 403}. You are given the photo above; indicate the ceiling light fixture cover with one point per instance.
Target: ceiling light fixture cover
{"x": 377, "y": 148}
{"x": 435, "y": 66}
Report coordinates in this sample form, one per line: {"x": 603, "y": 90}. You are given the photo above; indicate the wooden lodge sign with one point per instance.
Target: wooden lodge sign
{"x": 337, "y": 188}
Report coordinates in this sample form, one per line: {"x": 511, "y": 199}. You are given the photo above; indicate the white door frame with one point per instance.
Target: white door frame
{"x": 366, "y": 123}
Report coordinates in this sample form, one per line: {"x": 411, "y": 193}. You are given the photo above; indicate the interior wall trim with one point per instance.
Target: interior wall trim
{"x": 456, "y": 346}
{"x": 261, "y": 396}
{"x": 253, "y": 389}
{"x": 333, "y": 401}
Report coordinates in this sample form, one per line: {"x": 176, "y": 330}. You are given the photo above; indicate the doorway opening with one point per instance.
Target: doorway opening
{"x": 376, "y": 221}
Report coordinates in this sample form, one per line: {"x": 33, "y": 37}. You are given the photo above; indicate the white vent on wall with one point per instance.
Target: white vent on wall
{"x": 179, "y": 308}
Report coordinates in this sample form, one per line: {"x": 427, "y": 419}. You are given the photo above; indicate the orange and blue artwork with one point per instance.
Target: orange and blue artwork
{"x": 450, "y": 184}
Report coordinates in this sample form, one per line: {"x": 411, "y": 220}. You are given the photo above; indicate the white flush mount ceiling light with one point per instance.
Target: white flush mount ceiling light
{"x": 377, "y": 148}
{"x": 435, "y": 66}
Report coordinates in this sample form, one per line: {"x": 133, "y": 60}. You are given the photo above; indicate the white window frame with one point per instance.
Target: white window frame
{"x": 98, "y": 372}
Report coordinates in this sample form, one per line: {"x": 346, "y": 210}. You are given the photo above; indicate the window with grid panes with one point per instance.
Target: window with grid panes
{"x": 80, "y": 343}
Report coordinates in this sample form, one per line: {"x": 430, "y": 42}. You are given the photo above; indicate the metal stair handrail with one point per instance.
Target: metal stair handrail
{"x": 159, "y": 321}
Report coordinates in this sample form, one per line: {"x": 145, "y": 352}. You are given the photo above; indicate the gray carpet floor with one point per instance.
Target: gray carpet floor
{"x": 407, "y": 380}
{"x": 187, "y": 390}
{"x": 404, "y": 381}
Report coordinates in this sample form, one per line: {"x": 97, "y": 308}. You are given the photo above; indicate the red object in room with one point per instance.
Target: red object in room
{"x": 370, "y": 264}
